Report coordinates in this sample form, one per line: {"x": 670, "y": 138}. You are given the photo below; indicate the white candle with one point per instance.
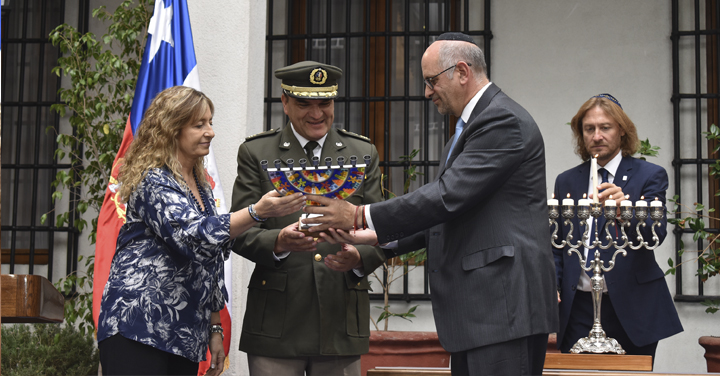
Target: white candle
{"x": 656, "y": 203}
{"x": 594, "y": 172}
{"x": 626, "y": 201}
{"x": 610, "y": 201}
{"x": 568, "y": 201}
{"x": 584, "y": 202}
{"x": 641, "y": 202}
{"x": 553, "y": 201}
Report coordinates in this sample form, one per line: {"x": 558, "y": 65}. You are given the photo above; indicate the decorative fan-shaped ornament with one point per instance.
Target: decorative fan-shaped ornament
{"x": 334, "y": 181}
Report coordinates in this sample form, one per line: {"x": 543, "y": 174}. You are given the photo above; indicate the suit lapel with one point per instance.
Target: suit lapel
{"x": 290, "y": 147}
{"x": 624, "y": 173}
{"x": 332, "y": 147}
{"x": 480, "y": 106}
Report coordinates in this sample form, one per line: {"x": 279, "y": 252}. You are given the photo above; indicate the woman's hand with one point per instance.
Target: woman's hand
{"x": 217, "y": 355}
{"x": 273, "y": 205}
{"x": 333, "y": 236}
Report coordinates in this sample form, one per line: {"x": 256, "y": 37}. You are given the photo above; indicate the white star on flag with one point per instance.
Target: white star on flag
{"x": 160, "y": 27}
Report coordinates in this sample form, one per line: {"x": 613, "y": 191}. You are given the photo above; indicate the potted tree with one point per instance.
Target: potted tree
{"x": 401, "y": 348}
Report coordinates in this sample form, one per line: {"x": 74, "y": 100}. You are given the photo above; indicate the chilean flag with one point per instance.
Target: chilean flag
{"x": 169, "y": 60}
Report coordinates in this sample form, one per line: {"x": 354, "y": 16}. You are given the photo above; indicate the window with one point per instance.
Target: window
{"x": 378, "y": 44}
{"x": 28, "y": 161}
{"x": 696, "y": 89}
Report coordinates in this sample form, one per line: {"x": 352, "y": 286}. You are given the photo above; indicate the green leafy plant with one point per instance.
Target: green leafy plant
{"x": 102, "y": 73}
{"x": 47, "y": 349}
{"x": 693, "y": 217}
{"x": 647, "y": 150}
{"x": 398, "y": 267}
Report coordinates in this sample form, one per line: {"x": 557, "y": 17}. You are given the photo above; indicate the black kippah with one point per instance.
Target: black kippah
{"x": 456, "y": 36}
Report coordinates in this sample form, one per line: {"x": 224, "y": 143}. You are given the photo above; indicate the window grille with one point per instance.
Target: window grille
{"x": 29, "y": 164}
{"x": 696, "y": 84}
{"x": 378, "y": 44}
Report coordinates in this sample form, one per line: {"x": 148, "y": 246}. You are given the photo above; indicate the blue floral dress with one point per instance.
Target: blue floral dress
{"x": 167, "y": 275}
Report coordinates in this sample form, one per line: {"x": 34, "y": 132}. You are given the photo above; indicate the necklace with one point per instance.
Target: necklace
{"x": 205, "y": 212}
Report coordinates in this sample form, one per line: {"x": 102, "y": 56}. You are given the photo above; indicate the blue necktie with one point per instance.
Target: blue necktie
{"x": 458, "y": 129}
{"x": 600, "y": 223}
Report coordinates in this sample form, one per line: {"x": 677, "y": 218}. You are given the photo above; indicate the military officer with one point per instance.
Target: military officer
{"x": 307, "y": 306}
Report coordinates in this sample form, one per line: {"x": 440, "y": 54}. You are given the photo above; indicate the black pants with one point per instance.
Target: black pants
{"x": 522, "y": 356}
{"x": 581, "y": 321}
{"x": 120, "y": 356}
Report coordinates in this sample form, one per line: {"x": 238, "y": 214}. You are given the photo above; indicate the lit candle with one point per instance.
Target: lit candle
{"x": 568, "y": 201}
{"x": 641, "y": 202}
{"x": 656, "y": 203}
{"x": 584, "y": 201}
{"x": 610, "y": 201}
{"x": 553, "y": 201}
{"x": 626, "y": 201}
{"x": 594, "y": 172}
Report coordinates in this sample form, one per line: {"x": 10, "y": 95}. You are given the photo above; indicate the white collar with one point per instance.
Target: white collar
{"x": 613, "y": 165}
{"x": 302, "y": 140}
{"x": 467, "y": 111}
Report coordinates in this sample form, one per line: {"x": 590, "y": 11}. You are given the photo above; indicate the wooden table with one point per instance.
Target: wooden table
{"x": 30, "y": 299}
{"x": 426, "y": 372}
{"x": 557, "y": 365}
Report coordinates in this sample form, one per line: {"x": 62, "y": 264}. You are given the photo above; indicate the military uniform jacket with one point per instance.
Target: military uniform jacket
{"x": 298, "y": 306}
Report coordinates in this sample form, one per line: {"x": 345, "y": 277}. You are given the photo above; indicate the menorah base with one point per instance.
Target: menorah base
{"x": 599, "y": 345}
{"x": 305, "y": 229}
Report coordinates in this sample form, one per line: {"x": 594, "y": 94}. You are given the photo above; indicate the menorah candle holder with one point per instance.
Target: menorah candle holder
{"x": 338, "y": 181}
{"x": 597, "y": 341}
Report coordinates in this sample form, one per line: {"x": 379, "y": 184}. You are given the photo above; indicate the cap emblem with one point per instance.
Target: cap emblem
{"x": 318, "y": 76}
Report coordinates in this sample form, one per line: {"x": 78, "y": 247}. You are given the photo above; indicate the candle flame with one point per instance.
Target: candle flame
{"x": 553, "y": 195}
{"x": 568, "y": 195}
{"x": 596, "y": 155}
{"x": 584, "y": 195}
{"x": 627, "y": 197}
{"x": 610, "y": 197}
{"x": 656, "y": 198}
{"x": 642, "y": 197}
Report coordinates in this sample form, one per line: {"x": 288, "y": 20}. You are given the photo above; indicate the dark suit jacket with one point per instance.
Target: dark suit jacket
{"x": 636, "y": 286}
{"x": 491, "y": 272}
{"x": 300, "y": 307}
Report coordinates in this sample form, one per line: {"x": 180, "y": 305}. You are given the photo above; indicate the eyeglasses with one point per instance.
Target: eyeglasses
{"x": 429, "y": 82}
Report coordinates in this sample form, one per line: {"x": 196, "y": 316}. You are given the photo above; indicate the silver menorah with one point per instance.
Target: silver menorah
{"x": 597, "y": 341}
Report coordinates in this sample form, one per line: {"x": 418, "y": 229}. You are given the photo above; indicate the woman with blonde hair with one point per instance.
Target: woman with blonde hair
{"x": 160, "y": 308}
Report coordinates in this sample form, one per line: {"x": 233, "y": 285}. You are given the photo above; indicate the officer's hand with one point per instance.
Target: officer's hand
{"x": 292, "y": 240}
{"x": 346, "y": 259}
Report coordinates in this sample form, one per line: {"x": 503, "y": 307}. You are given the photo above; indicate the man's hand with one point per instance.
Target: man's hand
{"x": 613, "y": 190}
{"x": 217, "y": 355}
{"x": 337, "y": 214}
{"x": 610, "y": 189}
{"x": 366, "y": 237}
{"x": 345, "y": 260}
{"x": 292, "y": 240}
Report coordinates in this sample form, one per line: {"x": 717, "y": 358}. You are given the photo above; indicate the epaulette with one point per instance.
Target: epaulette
{"x": 262, "y": 134}
{"x": 351, "y": 134}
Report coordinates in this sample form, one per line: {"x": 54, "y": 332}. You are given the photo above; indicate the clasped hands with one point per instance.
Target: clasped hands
{"x": 331, "y": 228}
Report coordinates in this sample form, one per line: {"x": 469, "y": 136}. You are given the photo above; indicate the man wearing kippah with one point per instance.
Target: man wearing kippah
{"x": 483, "y": 219}
{"x": 307, "y": 305}
{"x": 636, "y": 307}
